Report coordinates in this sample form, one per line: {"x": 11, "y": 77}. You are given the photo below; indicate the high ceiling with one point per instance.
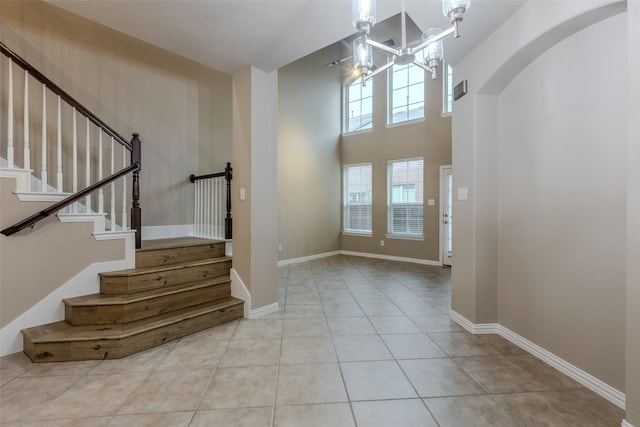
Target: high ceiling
{"x": 232, "y": 34}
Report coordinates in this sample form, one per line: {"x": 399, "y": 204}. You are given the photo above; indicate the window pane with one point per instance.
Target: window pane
{"x": 367, "y": 106}
{"x": 399, "y": 77}
{"x": 416, "y": 75}
{"x": 400, "y": 97}
{"x": 416, "y": 93}
{"x": 357, "y": 198}
{"x": 406, "y": 197}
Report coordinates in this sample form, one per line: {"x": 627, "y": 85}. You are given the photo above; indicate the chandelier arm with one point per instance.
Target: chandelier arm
{"x": 379, "y": 70}
{"x": 381, "y": 46}
{"x": 423, "y": 66}
{"x": 440, "y": 36}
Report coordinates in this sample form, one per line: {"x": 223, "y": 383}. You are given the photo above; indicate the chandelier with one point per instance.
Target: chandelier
{"x": 364, "y": 17}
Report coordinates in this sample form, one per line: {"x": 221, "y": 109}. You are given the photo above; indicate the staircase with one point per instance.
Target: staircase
{"x": 180, "y": 286}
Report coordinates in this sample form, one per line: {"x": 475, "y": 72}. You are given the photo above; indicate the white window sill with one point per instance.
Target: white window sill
{"x": 356, "y": 233}
{"x": 407, "y": 122}
{"x": 443, "y": 115}
{"x": 356, "y": 132}
{"x": 405, "y": 237}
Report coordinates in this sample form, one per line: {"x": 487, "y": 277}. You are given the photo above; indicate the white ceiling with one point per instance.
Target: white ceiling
{"x": 232, "y": 34}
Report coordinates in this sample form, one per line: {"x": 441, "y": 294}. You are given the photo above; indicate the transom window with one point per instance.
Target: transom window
{"x": 357, "y": 198}
{"x": 358, "y": 110}
{"x": 405, "y": 197}
{"x": 406, "y": 92}
{"x": 447, "y": 89}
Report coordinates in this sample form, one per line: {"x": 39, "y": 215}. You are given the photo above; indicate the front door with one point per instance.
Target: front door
{"x": 446, "y": 211}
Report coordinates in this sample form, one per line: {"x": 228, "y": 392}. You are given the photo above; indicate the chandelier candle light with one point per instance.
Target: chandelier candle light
{"x": 364, "y": 17}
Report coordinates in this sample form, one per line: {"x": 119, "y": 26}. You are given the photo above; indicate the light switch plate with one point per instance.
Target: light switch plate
{"x": 242, "y": 194}
{"x": 431, "y": 202}
{"x": 463, "y": 193}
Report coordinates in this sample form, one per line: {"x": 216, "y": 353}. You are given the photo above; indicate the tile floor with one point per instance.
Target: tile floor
{"x": 358, "y": 342}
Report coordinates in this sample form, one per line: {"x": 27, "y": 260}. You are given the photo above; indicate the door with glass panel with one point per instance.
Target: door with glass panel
{"x": 446, "y": 213}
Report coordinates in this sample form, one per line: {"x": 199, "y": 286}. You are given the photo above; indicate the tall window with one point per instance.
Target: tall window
{"x": 405, "y": 201}
{"x": 358, "y": 106}
{"x": 357, "y": 198}
{"x": 447, "y": 89}
{"x": 406, "y": 92}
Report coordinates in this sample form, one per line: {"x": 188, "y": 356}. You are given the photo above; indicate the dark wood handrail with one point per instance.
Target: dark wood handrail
{"x": 64, "y": 95}
{"x": 228, "y": 176}
{"x": 28, "y": 222}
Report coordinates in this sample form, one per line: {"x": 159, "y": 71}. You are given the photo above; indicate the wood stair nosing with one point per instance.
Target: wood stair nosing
{"x": 99, "y": 309}
{"x": 60, "y": 341}
{"x": 131, "y": 272}
{"x": 162, "y": 277}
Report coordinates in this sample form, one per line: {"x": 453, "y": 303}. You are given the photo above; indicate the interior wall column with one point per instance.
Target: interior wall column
{"x": 255, "y": 101}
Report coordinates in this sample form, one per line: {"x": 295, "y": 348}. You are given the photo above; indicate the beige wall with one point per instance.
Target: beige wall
{"x": 430, "y": 139}
{"x": 633, "y": 214}
{"x": 309, "y": 156}
{"x": 52, "y": 254}
{"x": 181, "y": 109}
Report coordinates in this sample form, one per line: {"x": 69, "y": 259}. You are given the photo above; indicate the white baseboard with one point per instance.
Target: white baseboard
{"x": 589, "y": 381}
{"x": 263, "y": 311}
{"x": 306, "y": 258}
{"x": 626, "y": 423}
{"x": 50, "y": 308}
{"x": 239, "y": 290}
{"x": 154, "y": 232}
{"x": 393, "y": 258}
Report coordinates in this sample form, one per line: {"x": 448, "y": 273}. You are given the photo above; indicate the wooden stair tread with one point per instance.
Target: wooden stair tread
{"x": 174, "y": 243}
{"x": 62, "y": 331}
{"x": 103, "y": 300}
{"x": 140, "y": 271}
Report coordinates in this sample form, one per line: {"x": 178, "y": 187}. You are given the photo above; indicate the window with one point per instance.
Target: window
{"x": 358, "y": 106}
{"x": 447, "y": 89}
{"x": 406, "y": 92}
{"x": 357, "y": 198}
{"x": 405, "y": 205}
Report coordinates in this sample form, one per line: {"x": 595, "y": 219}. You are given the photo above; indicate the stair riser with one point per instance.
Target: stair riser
{"x": 115, "y": 349}
{"x": 160, "y": 257}
{"x": 123, "y": 313}
{"x": 114, "y": 285}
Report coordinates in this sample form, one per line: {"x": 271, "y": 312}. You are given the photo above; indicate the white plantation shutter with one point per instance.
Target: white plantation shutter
{"x": 449, "y": 210}
{"x": 405, "y": 193}
{"x": 357, "y": 198}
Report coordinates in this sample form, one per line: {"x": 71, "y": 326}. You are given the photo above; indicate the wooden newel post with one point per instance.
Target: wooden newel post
{"x": 136, "y": 212}
{"x": 228, "y": 221}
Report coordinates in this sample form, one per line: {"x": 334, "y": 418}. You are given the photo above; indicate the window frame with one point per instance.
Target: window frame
{"x": 346, "y": 88}
{"x": 391, "y": 89}
{"x": 345, "y": 204}
{"x": 418, "y": 194}
{"x": 447, "y": 89}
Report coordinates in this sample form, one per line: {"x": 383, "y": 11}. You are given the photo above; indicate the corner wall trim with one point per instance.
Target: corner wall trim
{"x": 589, "y": 381}
{"x": 392, "y": 258}
{"x": 626, "y": 423}
{"x": 306, "y": 258}
{"x": 239, "y": 290}
{"x": 263, "y": 311}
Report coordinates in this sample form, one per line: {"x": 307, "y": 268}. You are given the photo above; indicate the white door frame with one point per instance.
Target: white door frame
{"x": 443, "y": 190}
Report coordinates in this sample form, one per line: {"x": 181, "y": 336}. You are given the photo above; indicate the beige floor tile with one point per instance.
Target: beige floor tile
{"x": 169, "y": 419}
{"x": 21, "y": 398}
{"x": 350, "y": 326}
{"x": 496, "y": 374}
{"x": 94, "y": 395}
{"x": 380, "y": 309}
{"x": 477, "y": 411}
{"x": 67, "y": 422}
{"x": 222, "y": 332}
{"x": 439, "y": 377}
{"x": 307, "y": 350}
{"x": 168, "y": 391}
{"x": 373, "y": 296}
{"x": 243, "y": 387}
{"x": 258, "y": 329}
{"x": 502, "y": 345}
{"x": 305, "y": 328}
{"x": 435, "y": 323}
{"x": 594, "y": 407}
{"x": 307, "y": 298}
{"x": 342, "y": 310}
{"x": 462, "y": 344}
{"x": 393, "y": 325}
{"x": 402, "y": 296}
{"x": 351, "y": 348}
{"x": 242, "y": 417}
{"x": 553, "y": 378}
{"x": 61, "y": 368}
{"x": 386, "y": 413}
{"x": 194, "y": 355}
{"x": 417, "y": 307}
{"x": 375, "y": 381}
{"x": 337, "y": 297}
{"x": 251, "y": 353}
{"x": 412, "y": 346}
{"x": 303, "y": 311}
{"x": 14, "y": 365}
{"x": 331, "y": 414}
{"x": 141, "y": 362}
{"x": 310, "y": 383}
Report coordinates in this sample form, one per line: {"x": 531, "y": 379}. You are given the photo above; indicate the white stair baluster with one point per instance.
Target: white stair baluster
{"x": 87, "y": 169}
{"x": 26, "y": 149}
{"x": 59, "y": 155}
{"x": 10, "y": 118}
{"x": 74, "y": 188}
{"x": 113, "y": 188}
{"x": 43, "y": 176}
{"x": 124, "y": 191}
{"x": 100, "y": 191}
